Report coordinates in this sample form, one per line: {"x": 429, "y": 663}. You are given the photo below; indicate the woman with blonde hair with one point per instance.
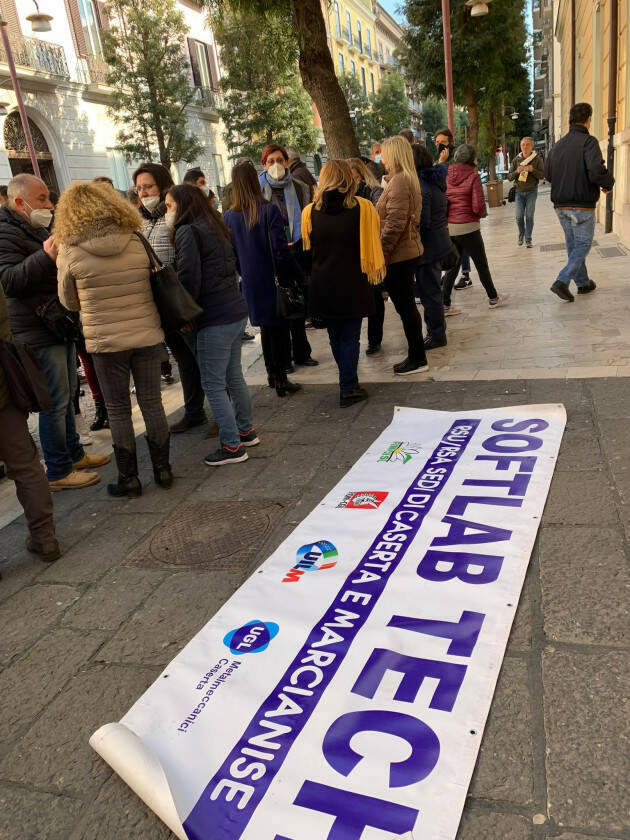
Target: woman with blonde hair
{"x": 341, "y": 233}
{"x": 104, "y": 272}
{"x": 367, "y": 185}
{"x": 399, "y": 209}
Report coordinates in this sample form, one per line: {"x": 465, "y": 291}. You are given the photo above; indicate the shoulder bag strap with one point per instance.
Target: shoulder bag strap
{"x": 268, "y": 232}
{"x": 154, "y": 260}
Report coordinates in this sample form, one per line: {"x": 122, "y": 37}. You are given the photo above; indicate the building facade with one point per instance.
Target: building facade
{"x": 62, "y": 77}
{"x": 352, "y": 40}
{"x": 543, "y": 43}
{"x": 583, "y": 74}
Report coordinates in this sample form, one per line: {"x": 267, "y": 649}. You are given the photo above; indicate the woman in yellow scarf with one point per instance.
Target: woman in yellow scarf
{"x": 342, "y": 234}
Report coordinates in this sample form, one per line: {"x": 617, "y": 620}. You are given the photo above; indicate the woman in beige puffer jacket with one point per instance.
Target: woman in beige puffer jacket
{"x": 399, "y": 208}
{"x": 104, "y": 272}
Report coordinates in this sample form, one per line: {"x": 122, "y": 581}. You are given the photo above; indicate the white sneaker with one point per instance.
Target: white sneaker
{"x": 85, "y": 440}
{"x": 418, "y": 300}
{"x": 451, "y": 310}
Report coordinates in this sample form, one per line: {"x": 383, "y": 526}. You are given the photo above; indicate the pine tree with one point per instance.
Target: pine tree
{"x": 264, "y": 99}
{"x": 150, "y": 79}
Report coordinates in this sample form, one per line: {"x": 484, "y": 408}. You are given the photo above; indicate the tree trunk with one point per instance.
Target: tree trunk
{"x": 492, "y": 158}
{"x": 473, "y": 115}
{"x": 319, "y": 79}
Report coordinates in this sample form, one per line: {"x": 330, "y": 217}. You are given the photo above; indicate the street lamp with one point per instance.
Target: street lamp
{"x": 40, "y": 22}
{"x": 478, "y": 7}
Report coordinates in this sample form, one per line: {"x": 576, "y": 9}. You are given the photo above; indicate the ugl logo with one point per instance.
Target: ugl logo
{"x": 313, "y": 557}
{"x": 253, "y": 637}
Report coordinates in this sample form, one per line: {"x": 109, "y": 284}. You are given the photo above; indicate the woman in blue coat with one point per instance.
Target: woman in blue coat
{"x": 437, "y": 244}
{"x": 263, "y": 253}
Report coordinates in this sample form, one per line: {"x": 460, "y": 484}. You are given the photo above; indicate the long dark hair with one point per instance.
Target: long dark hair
{"x": 247, "y": 196}
{"x": 193, "y": 206}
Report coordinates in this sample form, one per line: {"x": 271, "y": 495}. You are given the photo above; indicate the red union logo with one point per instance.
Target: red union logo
{"x": 363, "y": 500}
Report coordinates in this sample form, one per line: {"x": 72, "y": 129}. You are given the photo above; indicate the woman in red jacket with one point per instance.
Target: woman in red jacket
{"x": 466, "y": 206}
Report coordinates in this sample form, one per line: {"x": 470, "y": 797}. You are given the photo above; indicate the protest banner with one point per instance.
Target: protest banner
{"x": 343, "y": 690}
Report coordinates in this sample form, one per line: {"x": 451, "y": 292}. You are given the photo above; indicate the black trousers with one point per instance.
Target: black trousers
{"x": 273, "y": 340}
{"x": 183, "y": 346}
{"x": 399, "y": 282}
{"x": 429, "y": 290}
{"x": 375, "y": 321}
{"x": 297, "y": 347}
{"x": 473, "y": 244}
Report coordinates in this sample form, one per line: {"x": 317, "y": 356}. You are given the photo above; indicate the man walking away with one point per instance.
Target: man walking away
{"x": 575, "y": 167}
{"x": 527, "y": 170}
{"x": 19, "y": 453}
{"x": 28, "y": 274}
{"x": 300, "y": 170}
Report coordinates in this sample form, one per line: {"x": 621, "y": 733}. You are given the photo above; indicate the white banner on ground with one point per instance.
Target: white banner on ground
{"x": 342, "y": 691}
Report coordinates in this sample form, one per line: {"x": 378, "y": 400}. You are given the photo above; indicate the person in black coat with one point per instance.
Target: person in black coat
{"x": 339, "y": 290}
{"x": 28, "y": 273}
{"x": 436, "y": 242}
{"x": 206, "y": 267}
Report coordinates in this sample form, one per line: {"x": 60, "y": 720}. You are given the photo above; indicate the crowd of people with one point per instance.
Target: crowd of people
{"x": 287, "y": 252}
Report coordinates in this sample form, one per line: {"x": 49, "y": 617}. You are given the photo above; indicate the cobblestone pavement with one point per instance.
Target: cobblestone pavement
{"x": 80, "y": 640}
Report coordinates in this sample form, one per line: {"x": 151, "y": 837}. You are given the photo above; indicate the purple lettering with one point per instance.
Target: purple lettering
{"x": 522, "y": 443}
{"x": 464, "y": 532}
{"x": 450, "y": 676}
{"x": 463, "y": 633}
{"x": 460, "y": 503}
{"x": 354, "y": 812}
{"x": 424, "y": 743}
{"x": 520, "y": 426}
{"x": 504, "y": 462}
{"x": 459, "y": 565}
{"x": 516, "y": 486}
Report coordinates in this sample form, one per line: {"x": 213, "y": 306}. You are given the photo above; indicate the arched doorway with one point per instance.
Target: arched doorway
{"x": 17, "y": 151}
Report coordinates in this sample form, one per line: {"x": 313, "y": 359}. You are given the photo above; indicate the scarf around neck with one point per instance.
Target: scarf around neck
{"x": 525, "y": 162}
{"x": 294, "y": 211}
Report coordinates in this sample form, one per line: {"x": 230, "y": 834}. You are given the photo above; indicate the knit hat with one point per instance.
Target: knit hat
{"x": 465, "y": 154}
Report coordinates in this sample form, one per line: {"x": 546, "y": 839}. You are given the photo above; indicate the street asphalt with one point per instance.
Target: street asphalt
{"x": 81, "y": 639}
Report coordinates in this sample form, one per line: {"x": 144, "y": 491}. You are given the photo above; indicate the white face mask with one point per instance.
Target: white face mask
{"x": 205, "y": 189}
{"x": 277, "y": 171}
{"x": 170, "y": 218}
{"x": 40, "y": 217}
{"x": 151, "y": 202}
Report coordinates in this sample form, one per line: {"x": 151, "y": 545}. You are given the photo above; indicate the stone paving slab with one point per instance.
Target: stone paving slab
{"x": 90, "y": 633}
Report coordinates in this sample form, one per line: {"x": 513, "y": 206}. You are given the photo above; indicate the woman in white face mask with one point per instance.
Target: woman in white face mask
{"x": 152, "y": 180}
{"x": 290, "y": 197}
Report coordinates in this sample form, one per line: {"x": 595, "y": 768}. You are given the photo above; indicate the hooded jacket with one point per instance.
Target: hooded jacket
{"x": 399, "y": 209}
{"x": 433, "y": 219}
{"x": 28, "y": 277}
{"x": 104, "y": 272}
{"x": 466, "y": 202}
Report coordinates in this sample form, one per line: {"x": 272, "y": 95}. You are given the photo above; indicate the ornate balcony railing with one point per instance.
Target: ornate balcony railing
{"x": 92, "y": 70}
{"x": 209, "y": 98}
{"x": 37, "y": 55}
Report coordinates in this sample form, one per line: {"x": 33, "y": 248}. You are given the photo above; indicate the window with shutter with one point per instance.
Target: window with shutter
{"x": 9, "y": 13}
{"x": 194, "y": 62}
{"x": 76, "y": 27}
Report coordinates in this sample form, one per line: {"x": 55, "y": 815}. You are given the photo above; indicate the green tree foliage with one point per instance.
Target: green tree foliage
{"x": 360, "y": 109}
{"x": 434, "y": 118}
{"x": 315, "y": 63}
{"x": 264, "y": 100}
{"x": 150, "y": 80}
{"x": 390, "y": 106}
{"x": 489, "y": 54}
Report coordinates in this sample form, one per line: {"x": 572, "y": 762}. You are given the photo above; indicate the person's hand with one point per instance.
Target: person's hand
{"x": 50, "y": 247}
{"x": 443, "y": 156}
{"x": 529, "y": 168}
{"x": 606, "y": 191}
{"x": 520, "y": 168}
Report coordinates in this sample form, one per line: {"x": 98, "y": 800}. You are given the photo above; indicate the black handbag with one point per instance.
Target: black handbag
{"x": 290, "y": 301}
{"x": 512, "y": 194}
{"x": 61, "y": 322}
{"x": 451, "y": 259}
{"x": 176, "y": 306}
{"x": 26, "y": 382}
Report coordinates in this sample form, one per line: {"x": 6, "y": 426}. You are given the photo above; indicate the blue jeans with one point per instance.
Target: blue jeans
{"x": 219, "y": 357}
{"x": 344, "y": 335}
{"x": 579, "y": 228}
{"x": 57, "y": 431}
{"x": 525, "y": 204}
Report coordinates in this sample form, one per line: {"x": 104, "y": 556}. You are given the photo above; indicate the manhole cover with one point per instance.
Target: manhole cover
{"x": 219, "y": 536}
{"x": 613, "y": 251}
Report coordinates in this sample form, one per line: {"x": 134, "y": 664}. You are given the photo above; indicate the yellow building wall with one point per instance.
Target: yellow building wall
{"x": 345, "y": 42}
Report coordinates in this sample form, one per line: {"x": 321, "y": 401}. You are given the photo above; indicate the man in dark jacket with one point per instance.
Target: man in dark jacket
{"x": 577, "y": 173}
{"x": 527, "y": 171}
{"x": 20, "y": 455}
{"x": 300, "y": 170}
{"x": 28, "y": 274}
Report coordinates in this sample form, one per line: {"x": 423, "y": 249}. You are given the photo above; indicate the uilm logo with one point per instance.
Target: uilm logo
{"x": 312, "y": 557}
